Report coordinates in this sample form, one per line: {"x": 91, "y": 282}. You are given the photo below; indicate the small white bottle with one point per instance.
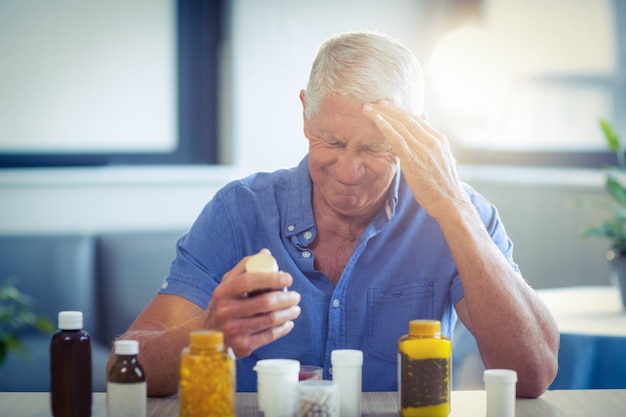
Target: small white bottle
{"x": 277, "y": 387}
{"x": 126, "y": 382}
{"x": 500, "y": 387}
{"x": 347, "y": 367}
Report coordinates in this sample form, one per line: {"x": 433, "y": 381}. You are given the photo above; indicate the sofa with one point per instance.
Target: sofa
{"x": 110, "y": 277}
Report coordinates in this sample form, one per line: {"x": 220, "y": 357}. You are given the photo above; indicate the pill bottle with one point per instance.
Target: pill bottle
{"x": 207, "y": 376}
{"x": 261, "y": 262}
{"x": 70, "y": 367}
{"x": 126, "y": 382}
{"x": 500, "y": 389}
{"x": 277, "y": 387}
{"x": 318, "y": 398}
{"x": 424, "y": 370}
{"x": 346, "y": 369}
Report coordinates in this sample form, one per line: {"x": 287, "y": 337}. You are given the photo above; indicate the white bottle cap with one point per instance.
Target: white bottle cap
{"x": 261, "y": 262}
{"x": 499, "y": 376}
{"x": 346, "y": 357}
{"x": 70, "y": 320}
{"x": 126, "y": 347}
{"x": 277, "y": 366}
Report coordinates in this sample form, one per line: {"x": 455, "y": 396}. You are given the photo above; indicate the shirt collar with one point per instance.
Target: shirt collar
{"x": 299, "y": 216}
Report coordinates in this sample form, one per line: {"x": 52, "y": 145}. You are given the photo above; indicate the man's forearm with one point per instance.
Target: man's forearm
{"x": 513, "y": 327}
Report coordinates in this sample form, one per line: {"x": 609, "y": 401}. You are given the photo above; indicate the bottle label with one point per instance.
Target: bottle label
{"x": 128, "y": 400}
{"x": 424, "y": 382}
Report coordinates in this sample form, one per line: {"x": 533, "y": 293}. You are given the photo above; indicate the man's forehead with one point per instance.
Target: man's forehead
{"x": 339, "y": 112}
{"x": 341, "y": 102}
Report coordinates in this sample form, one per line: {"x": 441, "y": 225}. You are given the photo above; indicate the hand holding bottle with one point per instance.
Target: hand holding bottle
{"x": 249, "y": 322}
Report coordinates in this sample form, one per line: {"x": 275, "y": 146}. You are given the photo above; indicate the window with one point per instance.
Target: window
{"x": 527, "y": 82}
{"x": 116, "y": 82}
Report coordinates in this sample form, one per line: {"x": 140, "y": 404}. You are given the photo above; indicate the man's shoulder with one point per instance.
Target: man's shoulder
{"x": 273, "y": 185}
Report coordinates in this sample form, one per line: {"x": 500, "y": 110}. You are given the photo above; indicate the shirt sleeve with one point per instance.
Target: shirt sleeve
{"x": 204, "y": 254}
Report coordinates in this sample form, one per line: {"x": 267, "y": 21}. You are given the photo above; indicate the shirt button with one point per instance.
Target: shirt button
{"x": 165, "y": 284}
{"x": 306, "y": 254}
{"x": 335, "y": 303}
{"x": 291, "y": 227}
{"x": 308, "y": 235}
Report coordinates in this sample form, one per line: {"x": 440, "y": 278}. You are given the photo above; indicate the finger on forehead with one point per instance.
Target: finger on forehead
{"x": 414, "y": 121}
{"x": 387, "y": 125}
{"x": 400, "y": 115}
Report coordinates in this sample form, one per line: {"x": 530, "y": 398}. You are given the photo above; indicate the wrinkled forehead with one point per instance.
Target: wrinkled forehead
{"x": 341, "y": 117}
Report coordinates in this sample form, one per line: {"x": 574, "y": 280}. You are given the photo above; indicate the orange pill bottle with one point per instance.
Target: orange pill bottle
{"x": 207, "y": 377}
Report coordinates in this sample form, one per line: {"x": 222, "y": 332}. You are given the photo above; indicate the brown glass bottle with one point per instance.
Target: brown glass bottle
{"x": 70, "y": 368}
{"x": 126, "y": 382}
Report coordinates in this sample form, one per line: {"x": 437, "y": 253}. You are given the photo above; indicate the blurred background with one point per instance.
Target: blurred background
{"x": 128, "y": 115}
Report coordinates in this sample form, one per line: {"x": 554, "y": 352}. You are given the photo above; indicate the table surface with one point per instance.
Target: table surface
{"x": 567, "y": 403}
{"x": 591, "y": 310}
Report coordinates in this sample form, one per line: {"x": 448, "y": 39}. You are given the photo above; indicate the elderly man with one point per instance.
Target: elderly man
{"x": 371, "y": 230}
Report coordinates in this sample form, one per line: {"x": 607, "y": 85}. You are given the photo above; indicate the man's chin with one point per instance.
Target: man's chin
{"x": 347, "y": 205}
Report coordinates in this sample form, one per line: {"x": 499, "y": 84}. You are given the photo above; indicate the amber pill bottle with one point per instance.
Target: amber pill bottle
{"x": 126, "y": 382}
{"x": 70, "y": 367}
{"x": 424, "y": 370}
{"x": 207, "y": 376}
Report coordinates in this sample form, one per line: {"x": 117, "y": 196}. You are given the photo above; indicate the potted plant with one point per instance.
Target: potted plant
{"x": 17, "y": 314}
{"x": 614, "y": 228}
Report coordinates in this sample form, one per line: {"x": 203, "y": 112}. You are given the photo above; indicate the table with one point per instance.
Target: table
{"x": 587, "y": 310}
{"x": 592, "y": 324}
{"x": 570, "y": 403}
{"x": 592, "y": 355}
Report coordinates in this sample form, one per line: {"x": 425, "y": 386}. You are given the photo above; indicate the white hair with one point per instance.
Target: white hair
{"x": 370, "y": 66}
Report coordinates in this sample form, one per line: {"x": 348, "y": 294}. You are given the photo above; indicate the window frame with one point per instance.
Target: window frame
{"x": 199, "y": 34}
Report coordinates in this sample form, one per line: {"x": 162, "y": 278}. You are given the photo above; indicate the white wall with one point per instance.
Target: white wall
{"x": 545, "y": 212}
{"x": 105, "y": 199}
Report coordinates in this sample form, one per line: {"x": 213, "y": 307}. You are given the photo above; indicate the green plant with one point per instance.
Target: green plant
{"x": 614, "y": 228}
{"x": 17, "y": 314}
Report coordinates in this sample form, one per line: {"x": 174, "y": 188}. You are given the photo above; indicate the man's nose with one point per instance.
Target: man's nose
{"x": 349, "y": 166}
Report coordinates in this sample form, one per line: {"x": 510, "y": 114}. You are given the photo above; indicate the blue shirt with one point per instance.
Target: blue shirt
{"x": 401, "y": 270}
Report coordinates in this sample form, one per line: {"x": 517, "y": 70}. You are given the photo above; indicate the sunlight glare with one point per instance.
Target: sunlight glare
{"x": 469, "y": 72}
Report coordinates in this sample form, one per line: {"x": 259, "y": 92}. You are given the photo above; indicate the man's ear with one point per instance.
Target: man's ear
{"x": 303, "y": 101}
{"x": 302, "y": 98}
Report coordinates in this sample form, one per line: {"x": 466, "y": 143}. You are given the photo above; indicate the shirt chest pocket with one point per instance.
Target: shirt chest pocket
{"x": 389, "y": 312}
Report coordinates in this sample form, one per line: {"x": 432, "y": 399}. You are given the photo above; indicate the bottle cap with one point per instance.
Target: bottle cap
{"x": 424, "y": 327}
{"x": 346, "y": 357}
{"x": 206, "y": 339}
{"x": 261, "y": 262}
{"x": 499, "y": 376}
{"x": 277, "y": 366}
{"x": 126, "y": 347}
{"x": 70, "y": 320}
